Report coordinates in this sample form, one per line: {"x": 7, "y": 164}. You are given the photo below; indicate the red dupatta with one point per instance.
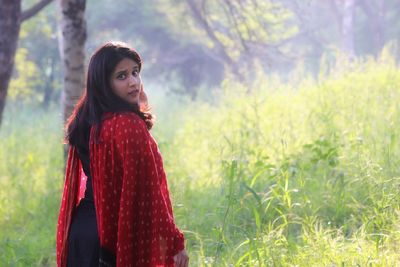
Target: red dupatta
{"x": 70, "y": 199}
{"x": 133, "y": 209}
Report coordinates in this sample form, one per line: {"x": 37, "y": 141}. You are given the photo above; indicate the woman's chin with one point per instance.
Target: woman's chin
{"x": 133, "y": 101}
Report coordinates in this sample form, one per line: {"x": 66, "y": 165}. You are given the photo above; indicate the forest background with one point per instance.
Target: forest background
{"x": 278, "y": 121}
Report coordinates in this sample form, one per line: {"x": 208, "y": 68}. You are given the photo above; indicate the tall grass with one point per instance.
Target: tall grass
{"x": 304, "y": 175}
{"x": 300, "y": 173}
{"x": 31, "y": 168}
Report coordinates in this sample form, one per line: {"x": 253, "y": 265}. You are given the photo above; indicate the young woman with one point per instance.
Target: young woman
{"x": 115, "y": 209}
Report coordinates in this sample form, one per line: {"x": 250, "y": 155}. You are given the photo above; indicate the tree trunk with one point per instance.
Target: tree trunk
{"x": 348, "y": 27}
{"x": 72, "y": 49}
{"x": 10, "y": 22}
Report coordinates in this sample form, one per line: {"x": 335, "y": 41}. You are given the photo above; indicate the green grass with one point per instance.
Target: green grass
{"x": 304, "y": 175}
{"x": 31, "y": 168}
{"x": 301, "y": 173}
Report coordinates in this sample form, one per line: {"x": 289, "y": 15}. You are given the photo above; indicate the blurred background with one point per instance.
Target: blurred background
{"x": 278, "y": 121}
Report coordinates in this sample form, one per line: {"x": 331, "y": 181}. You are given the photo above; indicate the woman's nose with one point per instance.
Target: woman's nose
{"x": 133, "y": 79}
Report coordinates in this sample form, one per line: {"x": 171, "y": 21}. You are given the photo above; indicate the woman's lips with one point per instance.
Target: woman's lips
{"x": 133, "y": 93}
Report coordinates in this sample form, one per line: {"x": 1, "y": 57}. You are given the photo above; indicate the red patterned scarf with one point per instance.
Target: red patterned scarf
{"x": 133, "y": 209}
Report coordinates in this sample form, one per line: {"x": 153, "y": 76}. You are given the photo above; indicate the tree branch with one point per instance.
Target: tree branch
{"x": 205, "y": 25}
{"x": 27, "y": 14}
{"x": 235, "y": 23}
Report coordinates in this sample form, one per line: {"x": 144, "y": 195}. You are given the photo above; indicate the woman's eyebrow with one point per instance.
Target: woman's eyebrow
{"x": 121, "y": 71}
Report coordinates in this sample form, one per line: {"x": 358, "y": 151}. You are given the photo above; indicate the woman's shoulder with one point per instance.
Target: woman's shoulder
{"x": 122, "y": 122}
{"x": 129, "y": 119}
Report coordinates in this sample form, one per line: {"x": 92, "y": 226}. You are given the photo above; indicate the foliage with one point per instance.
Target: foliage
{"x": 37, "y": 74}
{"x": 305, "y": 176}
{"x": 302, "y": 173}
{"x": 26, "y": 77}
{"x": 179, "y": 53}
{"x": 242, "y": 27}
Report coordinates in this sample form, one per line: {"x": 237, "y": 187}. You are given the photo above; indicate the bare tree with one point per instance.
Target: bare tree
{"x": 221, "y": 53}
{"x": 72, "y": 48}
{"x": 242, "y": 33}
{"x": 11, "y": 18}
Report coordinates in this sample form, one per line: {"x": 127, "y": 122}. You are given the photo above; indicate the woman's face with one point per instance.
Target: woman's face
{"x": 126, "y": 82}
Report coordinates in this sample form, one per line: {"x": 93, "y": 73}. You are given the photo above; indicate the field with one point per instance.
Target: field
{"x": 278, "y": 173}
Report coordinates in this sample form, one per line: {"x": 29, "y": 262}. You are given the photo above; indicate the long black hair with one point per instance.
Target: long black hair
{"x": 98, "y": 97}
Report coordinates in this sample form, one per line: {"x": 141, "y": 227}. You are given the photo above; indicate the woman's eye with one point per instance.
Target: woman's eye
{"x": 135, "y": 73}
{"x": 121, "y": 76}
